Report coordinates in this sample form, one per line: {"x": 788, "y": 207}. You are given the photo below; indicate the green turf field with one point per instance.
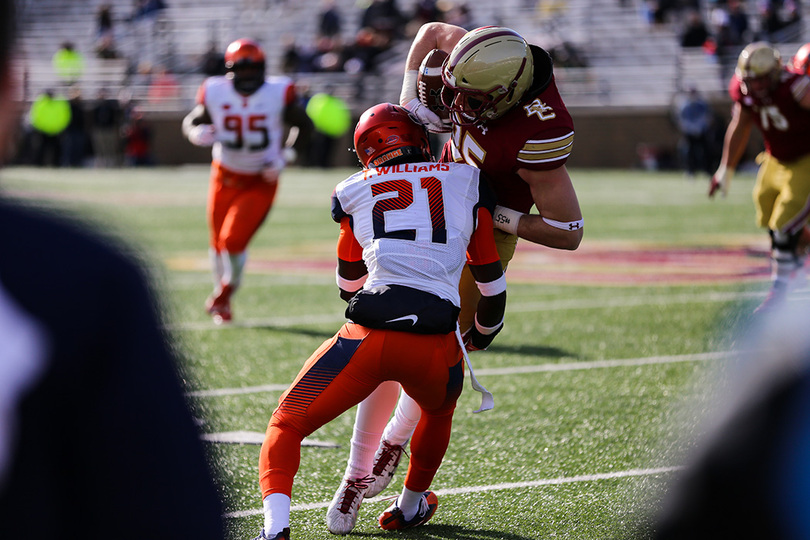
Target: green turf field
{"x": 603, "y": 368}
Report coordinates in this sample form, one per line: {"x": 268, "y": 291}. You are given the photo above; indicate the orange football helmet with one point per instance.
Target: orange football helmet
{"x": 389, "y": 134}
{"x": 245, "y": 62}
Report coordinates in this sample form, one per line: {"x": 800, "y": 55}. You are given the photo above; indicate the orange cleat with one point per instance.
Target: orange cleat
{"x": 393, "y": 519}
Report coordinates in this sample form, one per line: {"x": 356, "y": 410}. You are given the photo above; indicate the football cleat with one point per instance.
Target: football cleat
{"x": 393, "y": 519}
{"x": 775, "y": 299}
{"x": 218, "y": 305}
{"x": 386, "y": 461}
{"x": 342, "y": 512}
{"x": 283, "y": 535}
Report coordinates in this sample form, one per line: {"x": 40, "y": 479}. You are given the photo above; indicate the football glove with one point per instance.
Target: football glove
{"x": 474, "y": 340}
{"x": 271, "y": 173}
{"x": 202, "y": 135}
{"x": 720, "y": 181}
{"x": 428, "y": 118}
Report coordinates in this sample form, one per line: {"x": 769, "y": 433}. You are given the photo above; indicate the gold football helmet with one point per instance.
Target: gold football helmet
{"x": 486, "y": 74}
{"x": 758, "y": 68}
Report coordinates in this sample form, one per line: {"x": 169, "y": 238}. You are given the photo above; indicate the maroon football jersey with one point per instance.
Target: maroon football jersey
{"x": 784, "y": 124}
{"x": 537, "y": 134}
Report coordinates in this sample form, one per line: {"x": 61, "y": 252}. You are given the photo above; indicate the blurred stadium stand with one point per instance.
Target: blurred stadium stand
{"x": 632, "y": 69}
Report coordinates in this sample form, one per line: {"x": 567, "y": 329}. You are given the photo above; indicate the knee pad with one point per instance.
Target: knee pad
{"x": 782, "y": 241}
{"x": 784, "y": 248}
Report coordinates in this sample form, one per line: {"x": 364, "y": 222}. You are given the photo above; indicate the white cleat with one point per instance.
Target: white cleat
{"x": 342, "y": 512}
{"x": 386, "y": 461}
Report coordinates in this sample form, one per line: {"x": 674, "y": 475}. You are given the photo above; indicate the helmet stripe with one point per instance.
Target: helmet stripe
{"x": 475, "y": 42}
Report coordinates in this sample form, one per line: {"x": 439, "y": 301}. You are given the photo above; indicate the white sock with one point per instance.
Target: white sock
{"x": 276, "y": 513}
{"x": 401, "y": 427}
{"x": 234, "y": 264}
{"x": 361, "y": 455}
{"x": 408, "y": 502}
{"x": 372, "y": 415}
{"x": 783, "y": 265}
{"x": 217, "y": 268}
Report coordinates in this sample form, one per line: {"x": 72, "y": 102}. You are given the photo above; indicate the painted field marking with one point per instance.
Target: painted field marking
{"x": 514, "y": 307}
{"x": 570, "y": 366}
{"x": 491, "y": 487}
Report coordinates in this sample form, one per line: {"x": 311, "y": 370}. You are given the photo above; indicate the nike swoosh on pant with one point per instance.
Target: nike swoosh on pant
{"x": 413, "y": 318}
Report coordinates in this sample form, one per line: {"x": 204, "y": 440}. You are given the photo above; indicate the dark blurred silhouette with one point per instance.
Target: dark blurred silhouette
{"x": 96, "y": 437}
{"x": 749, "y": 474}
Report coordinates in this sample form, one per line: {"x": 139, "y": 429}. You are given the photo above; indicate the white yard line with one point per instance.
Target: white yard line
{"x": 490, "y": 487}
{"x": 512, "y": 307}
{"x": 596, "y": 364}
{"x": 538, "y": 368}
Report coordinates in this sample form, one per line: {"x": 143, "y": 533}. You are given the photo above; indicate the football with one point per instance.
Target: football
{"x": 429, "y": 83}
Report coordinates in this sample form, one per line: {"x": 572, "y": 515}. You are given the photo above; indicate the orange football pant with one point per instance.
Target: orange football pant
{"x": 237, "y": 206}
{"x": 342, "y": 372}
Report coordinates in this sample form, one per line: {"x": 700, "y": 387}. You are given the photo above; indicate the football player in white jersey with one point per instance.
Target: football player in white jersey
{"x": 510, "y": 121}
{"x": 408, "y": 225}
{"x": 243, "y": 116}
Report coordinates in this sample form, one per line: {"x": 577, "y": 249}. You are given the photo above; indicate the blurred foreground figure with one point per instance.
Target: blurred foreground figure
{"x": 96, "y": 438}
{"x": 749, "y": 477}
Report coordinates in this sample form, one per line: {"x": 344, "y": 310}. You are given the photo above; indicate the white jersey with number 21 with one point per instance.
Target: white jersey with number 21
{"x": 414, "y": 222}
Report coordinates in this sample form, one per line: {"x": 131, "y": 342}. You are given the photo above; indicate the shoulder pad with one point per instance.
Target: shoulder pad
{"x": 543, "y": 71}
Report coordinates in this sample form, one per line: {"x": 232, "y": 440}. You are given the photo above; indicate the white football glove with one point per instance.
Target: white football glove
{"x": 202, "y": 135}
{"x": 428, "y": 118}
{"x": 270, "y": 174}
{"x": 720, "y": 181}
{"x": 289, "y": 154}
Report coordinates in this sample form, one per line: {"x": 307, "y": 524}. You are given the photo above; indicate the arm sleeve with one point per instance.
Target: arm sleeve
{"x": 289, "y": 95}
{"x": 482, "y": 249}
{"x": 200, "y": 97}
{"x": 348, "y": 248}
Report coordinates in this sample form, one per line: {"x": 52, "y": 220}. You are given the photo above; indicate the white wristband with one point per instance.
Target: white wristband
{"x": 492, "y": 288}
{"x": 408, "y": 87}
{"x": 506, "y": 219}
{"x": 486, "y": 330}
{"x": 349, "y": 285}
{"x": 565, "y": 225}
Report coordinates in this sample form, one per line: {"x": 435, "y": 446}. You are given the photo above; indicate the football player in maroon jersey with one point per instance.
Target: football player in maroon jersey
{"x": 510, "y": 121}
{"x": 777, "y": 102}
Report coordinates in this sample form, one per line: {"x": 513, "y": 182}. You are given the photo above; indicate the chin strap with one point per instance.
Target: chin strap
{"x": 487, "y": 399}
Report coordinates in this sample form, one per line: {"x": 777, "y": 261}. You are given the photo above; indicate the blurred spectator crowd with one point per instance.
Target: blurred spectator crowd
{"x": 725, "y": 26}
{"x": 382, "y": 25}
